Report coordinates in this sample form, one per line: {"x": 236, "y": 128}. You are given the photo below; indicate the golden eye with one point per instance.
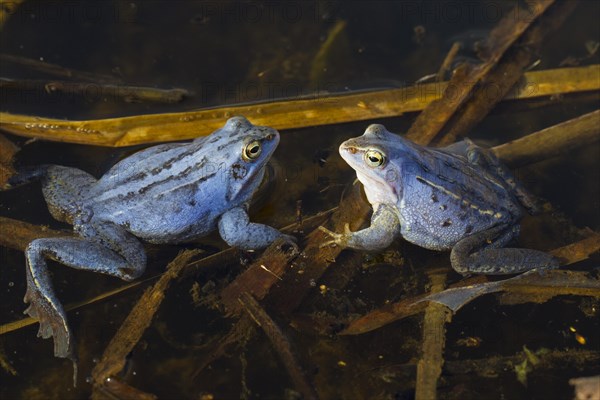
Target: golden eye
{"x": 252, "y": 151}
{"x": 374, "y": 158}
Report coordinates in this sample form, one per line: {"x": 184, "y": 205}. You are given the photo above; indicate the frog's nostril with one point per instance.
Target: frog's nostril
{"x": 352, "y": 150}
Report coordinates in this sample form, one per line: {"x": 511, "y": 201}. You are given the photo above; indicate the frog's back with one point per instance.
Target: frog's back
{"x": 141, "y": 166}
{"x": 184, "y": 211}
{"x": 166, "y": 193}
{"x": 445, "y": 198}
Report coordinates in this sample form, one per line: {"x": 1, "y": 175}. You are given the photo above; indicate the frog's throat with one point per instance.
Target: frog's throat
{"x": 377, "y": 189}
{"x": 241, "y": 190}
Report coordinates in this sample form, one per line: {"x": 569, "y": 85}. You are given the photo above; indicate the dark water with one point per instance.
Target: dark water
{"x": 230, "y": 52}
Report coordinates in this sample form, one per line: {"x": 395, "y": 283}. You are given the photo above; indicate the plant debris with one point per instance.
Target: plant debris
{"x": 138, "y": 320}
{"x": 283, "y": 114}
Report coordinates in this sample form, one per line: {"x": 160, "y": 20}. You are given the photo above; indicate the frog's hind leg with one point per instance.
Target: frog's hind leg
{"x": 482, "y": 253}
{"x": 109, "y": 250}
{"x": 64, "y": 188}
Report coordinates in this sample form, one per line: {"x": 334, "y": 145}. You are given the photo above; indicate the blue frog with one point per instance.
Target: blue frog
{"x": 459, "y": 198}
{"x": 169, "y": 193}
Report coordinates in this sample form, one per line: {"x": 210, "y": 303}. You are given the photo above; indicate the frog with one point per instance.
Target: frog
{"x": 459, "y": 198}
{"x": 167, "y": 193}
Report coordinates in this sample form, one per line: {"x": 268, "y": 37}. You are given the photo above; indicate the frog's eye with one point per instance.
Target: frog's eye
{"x": 252, "y": 151}
{"x": 374, "y": 158}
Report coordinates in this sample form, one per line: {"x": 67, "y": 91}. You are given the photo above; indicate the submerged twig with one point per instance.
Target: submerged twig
{"x": 140, "y": 317}
{"x": 98, "y": 90}
{"x": 551, "y": 141}
{"x": 114, "y": 388}
{"x": 334, "y": 41}
{"x": 280, "y": 343}
{"x": 495, "y": 84}
{"x": 448, "y": 61}
{"x": 549, "y": 359}
{"x": 5, "y": 363}
{"x": 240, "y": 330}
{"x": 58, "y": 70}
{"x": 467, "y": 98}
{"x": 22, "y": 323}
{"x": 283, "y": 114}
{"x": 260, "y": 276}
{"x": 7, "y": 152}
{"x": 493, "y": 366}
{"x": 429, "y": 367}
{"x": 18, "y": 234}
{"x": 578, "y": 251}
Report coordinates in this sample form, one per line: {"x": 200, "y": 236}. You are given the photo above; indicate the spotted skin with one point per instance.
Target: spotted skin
{"x": 459, "y": 198}
{"x": 168, "y": 193}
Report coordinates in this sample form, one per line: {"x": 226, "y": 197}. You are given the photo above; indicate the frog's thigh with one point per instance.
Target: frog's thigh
{"x": 63, "y": 189}
{"x": 237, "y": 230}
{"x": 468, "y": 257}
{"x": 127, "y": 258}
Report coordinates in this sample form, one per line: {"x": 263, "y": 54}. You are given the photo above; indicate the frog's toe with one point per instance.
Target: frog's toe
{"x": 328, "y": 243}
{"x": 327, "y": 231}
{"x": 52, "y": 319}
{"x": 347, "y": 230}
{"x": 337, "y": 239}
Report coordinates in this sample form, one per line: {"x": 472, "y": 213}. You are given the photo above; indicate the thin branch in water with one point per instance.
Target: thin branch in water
{"x": 256, "y": 279}
{"x": 544, "y": 17}
{"x": 448, "y": 61}
{"x": 552, "y": 141}
{"x": 429, "y": 367}
{"x": 281, "y": 344}
{"x": 138, "y": 320}
{"x": 58, "y": 70}
{"x": 129, "y": 94}
{"x": 7, "y": 152}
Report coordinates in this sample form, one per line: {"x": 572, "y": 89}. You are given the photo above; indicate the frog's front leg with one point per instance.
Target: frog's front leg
{"x": 384, "y": 228}
{"x": 482, "y": 253}
{"x": 237, "y": 230}
{"x": 105, "y": 248}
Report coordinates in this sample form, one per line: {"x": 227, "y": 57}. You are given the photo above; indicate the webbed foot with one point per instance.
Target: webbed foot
{"x": 338, "y": 239}
{"x": 45, "y": 307}
{"x": 52, "y": 319}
